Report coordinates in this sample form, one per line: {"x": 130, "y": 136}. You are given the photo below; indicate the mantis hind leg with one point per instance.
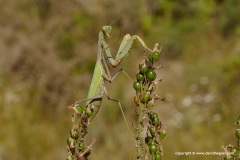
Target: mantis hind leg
{"x": 120, "y": 106}
{"x": 96, "y": 108}
{"x": 98, "y": 97}
{"x": 106, "y": 75}
{"x": 95, "y": 103}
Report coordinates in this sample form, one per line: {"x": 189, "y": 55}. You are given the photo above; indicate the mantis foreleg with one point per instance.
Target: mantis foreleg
{"x": 123, "y": 50}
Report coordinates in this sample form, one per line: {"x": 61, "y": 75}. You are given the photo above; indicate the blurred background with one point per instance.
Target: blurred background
{"x": 47, "y": 55}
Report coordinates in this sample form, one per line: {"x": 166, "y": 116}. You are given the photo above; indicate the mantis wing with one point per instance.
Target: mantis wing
{"x": 95, "y": 84}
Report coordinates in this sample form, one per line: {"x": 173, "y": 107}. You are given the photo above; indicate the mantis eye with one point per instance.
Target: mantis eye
{"x": 104, "y": 28}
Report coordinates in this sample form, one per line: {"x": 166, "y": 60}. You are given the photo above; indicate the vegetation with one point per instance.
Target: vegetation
{"x": 150, "y": 130}
{"x": 47, "y": 56}
{"x": 233, "y": 152}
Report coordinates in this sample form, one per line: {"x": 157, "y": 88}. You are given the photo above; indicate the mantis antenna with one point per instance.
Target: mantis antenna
{"x": 115, "y": 20}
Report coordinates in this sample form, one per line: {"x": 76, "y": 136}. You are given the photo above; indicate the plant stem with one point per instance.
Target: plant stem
{"x": 139, "y": 133}
{"x": 238, "y": 147}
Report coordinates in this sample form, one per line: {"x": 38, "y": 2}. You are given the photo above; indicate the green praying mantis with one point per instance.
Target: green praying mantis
{"x": 97, "y": 88}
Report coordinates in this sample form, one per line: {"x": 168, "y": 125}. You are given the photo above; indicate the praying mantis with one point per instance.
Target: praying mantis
{"x": 97, "y": 88}
{"x": 97, "y": 91}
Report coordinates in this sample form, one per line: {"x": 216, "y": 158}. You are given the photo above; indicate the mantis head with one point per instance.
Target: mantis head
{"x": 107, "y": 31}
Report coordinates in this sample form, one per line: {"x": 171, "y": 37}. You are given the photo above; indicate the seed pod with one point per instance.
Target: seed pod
{"x": 74, "y": 133}
{"x": 140, "y": 77}
{"x": 145, "y": 97}
{"x": 72, "y": 150}
{"x": 136, "y": 100}
{"x": 143, "y": 68}
{"x": 153, "y": 148}
{"x": 237, "y": 133}
{"x": 81, "y": 146}
{"x": 155, "y": 56}
{"x": 158, "y": 156}
{"x": 156, "y": 122}
{"x": 148, "y": 140}
{"x": 80, "y": 109}
{"x": 234, "y": 151}
{"x": 150, "y": 103}
{"x": 153, "y": 116}
{"x": 151, "y": 75}
{"x": 150, "y": 58}
{"x": 69, "y": 141}
{"x": 137, "y": 86}
{"x": 152, "y": 131}
{"x": 162, "y": 135}
{"x": 153, "y": 87}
